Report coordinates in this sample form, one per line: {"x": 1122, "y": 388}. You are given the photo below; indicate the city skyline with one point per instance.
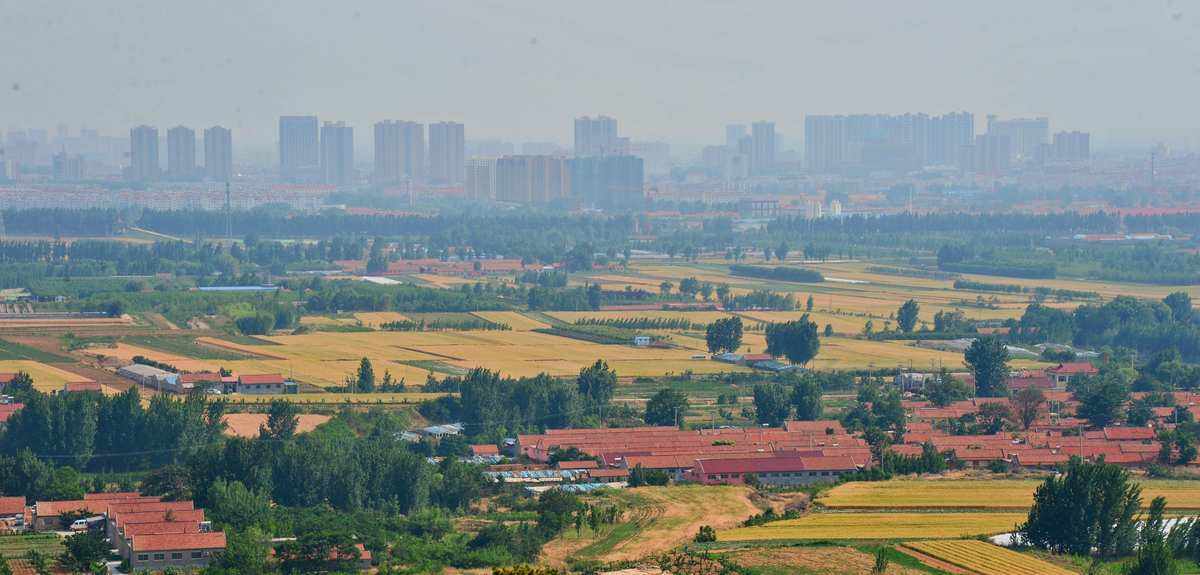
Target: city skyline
{"x": 670, "y": 86}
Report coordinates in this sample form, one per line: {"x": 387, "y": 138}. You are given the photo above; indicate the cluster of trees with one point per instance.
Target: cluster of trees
{"x": 724, "y": 335}
{"x": 780, "y": 273}
{"x": 796, "y": 395}
{"x": 466, "y": 323}
{"x": 1015, "y": 288}
{"x": 796, "y": 340}
{"x": 362, "y": 296}
{"x": 964, "y": 258}
{"x": 493, "y": 407}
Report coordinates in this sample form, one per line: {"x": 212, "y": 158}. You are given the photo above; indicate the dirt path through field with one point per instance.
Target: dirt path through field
{"x": 933, "y": 561}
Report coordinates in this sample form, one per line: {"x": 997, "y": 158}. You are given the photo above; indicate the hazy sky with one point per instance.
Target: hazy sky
{"x": 521, "y": 70}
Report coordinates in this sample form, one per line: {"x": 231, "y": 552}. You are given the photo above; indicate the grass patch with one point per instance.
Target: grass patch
{"x": 13, "y": 350}
{"x": 184, "y": 345}
{"x": 15, "y": 546}
{"x": 435, "y": 366}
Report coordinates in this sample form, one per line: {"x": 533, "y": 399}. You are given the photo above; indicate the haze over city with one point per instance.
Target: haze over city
{"x": 671, "y": 71}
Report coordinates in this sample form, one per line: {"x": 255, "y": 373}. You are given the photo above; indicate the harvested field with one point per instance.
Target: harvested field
{"x": 824, "y": 559}
{"x": 986, "y": 558}
{"x": 46, "y": 378}
{"x": 990, "y": 494}
{"x": 336, "y": 398}
{"x": 247, "y": 424}
{"x": 876, "y": 526}
{"x": 126, "y": 352}
{"x": 656, "y": 519}
{"x": 514, "y": 319}
{"x": 375, "y": 318}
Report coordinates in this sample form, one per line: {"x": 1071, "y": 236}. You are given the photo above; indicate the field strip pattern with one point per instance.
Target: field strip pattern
{"x": 986, "y": 558}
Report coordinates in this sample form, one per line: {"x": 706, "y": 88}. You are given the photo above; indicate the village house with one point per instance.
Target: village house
{"x": 159, "y": 552}
{"x": 263, "y": 384}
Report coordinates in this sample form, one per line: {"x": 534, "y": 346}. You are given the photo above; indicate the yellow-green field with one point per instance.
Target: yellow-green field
{"x": 998, "y": 494}
{"x": 863, "y": 526}
{"x": 986, "y": 558}
{"x": 337, "y": 398}
{"x": 516, "y": 320}
{"x": 46, "y": 378}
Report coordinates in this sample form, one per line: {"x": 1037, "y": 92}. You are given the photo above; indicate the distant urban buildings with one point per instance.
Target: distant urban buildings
{"x": 532, "y": 179}
{"x": 1026, "y": 136}
{"x": 181, "y": 153}
{"x": 218, "y": 154}
{"x": 480, "y": 179}
{"x": 989, "y": 154}
{"x": 64, "y": 167}
{"x": 885, "y": 142}
{"x": 733, "y": 134}
{"x": 337, "y": 153}
{"x": 446, "y": 152}
{"x": 762, "y": 152}
{"x": 1072, "y": 147}
{"x": 143, "y": 154}
{"x": 299, "y": 152}
{"x": 607, "y": 181}
{"x": 596, "y": 136}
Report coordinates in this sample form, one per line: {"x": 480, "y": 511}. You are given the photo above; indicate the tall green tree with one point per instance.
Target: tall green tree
{"x": 365, "y": 377}
{"x": 1181, "y": 306}
{"x": 282, "y": 420}
{"x": 988, "y": 359}
{"x": 1091, "y": 509}
{"x": 796, "y": 340}
{"x": 906, "y": 316}
{"x": 666, "y": 407}
{"x": 1102, "y": 396}
{"x": 596, "y": 383}
{"x": 724, "y": 335}
{"x": 806, "y": 398}
{"x": 771, "y": 404}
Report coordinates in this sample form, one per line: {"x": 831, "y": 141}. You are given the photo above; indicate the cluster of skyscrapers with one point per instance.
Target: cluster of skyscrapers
{"x": 309, "y": 154}
{"x": 747, "y": 151}
{"x": 144, "y": 161}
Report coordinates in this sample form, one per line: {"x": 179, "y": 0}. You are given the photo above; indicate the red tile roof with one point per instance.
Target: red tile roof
{"x": 120, "y": 519}
{"x": 7, "y": 377}
{"x": 260, "y": 379}
{"x": 12, "y": 506}
{"x": 485, "y": 449}
{"x": 585, "y": 464}
{"x": 115, "y": 495}
{"x": 1073, "y": 367}
{"x": 8, "y": 409}
{"x": 57, "y": 508}
{"x": 773, "y": 465}
{"x": 82, "y": 386}
{"x": 1128, "y": 433}
{"x": 160, "y": 528}
{"x": 178, "y": 542}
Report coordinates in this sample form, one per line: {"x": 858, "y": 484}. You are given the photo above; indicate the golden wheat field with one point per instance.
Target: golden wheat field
{"x": 46, "y": 378}
{"x": 1006, "y": 494}
{"x": 985, "y": 558}
{"x": 838, "y": 526}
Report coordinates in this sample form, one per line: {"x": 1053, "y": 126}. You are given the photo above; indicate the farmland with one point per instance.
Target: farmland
{"x": 875, "y": 526}
{"x": 985, "y": 558}
{"x": 906, "y": 494}
{"x": 46, "y": 378}
{"x": 16, "y": 546}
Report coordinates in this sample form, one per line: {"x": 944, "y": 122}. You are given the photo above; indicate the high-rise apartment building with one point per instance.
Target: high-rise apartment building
{"x": 1026, "y": 136}
{"x": 65, "y": 167}
{"x": 399, "y": 151}
{"x": 218, "y": 154}
{"x": 762, "y": 157}
{"x": 181, "y": 153}
{"x": 1072, "y": 147}
{"x": 299, "y": 149}
{"x": 480, "y": 180}
{"x": 608, "y": 181}
{"x": 446, "y": 152}
{"x": 337, "y": 153}
{"x": 990, "y": 154}
{"x": 733, "y": 133}
{"x": 532, "y": 179}
{"x": 596, "y": 136}
{"x": 885, "y": 142}
{"x": 143, "y": 154}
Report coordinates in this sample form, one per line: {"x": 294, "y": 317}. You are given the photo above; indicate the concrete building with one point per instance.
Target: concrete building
{"x": 532, "y": 179}
{"x": 1072, "y": 147}
{"x": 337, "y": 153}
{"x": 181, "y": 551}
{"x": 218, "y": 154}
{"x": 762, "y": 157}
{"x": 299, "y": 153}
{"x": 1026, "y": 136}
{"x": 734, "y": 133}
{"x": 480, "y": 181}
{"x": 446, "y": 152}
{"x": 596, "y": 136}
{"x": 181, "y": 153}
{"x": 607, "y": 181}
{"x": 67, "y": 167}
{"x": 399, "y": 151}
{"x": 990, "y": 154}
{"x": 143, "y": 154}
{"x": 148, "y": 376}
{"x": 776, "y": 471}
{"x": 885, "y": 142}
{"x": 265, "y": 383}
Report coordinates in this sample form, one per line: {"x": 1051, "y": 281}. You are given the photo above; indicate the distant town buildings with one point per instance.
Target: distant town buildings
{"x": 885, "y": 142}
{"x": 762, "y": 153}
{"x": 218, "y": 154}
{"x": 337, "y": 153}
{"x": 65, "y": 167}
{"x": 1026, "y": 136}
{"x": 446, "y": 152}
{"x": 143, "y": 154}
{"x": 1071, "y": 147}
{"x": 607, "y": 181}
{"x": 480, "y": 184}
{"x": 181, "y": 153}
{"x": 299, "y": 155}
{"x": 596, "y": 136}
{"x": 399, "y": 151}
{"x": 532, "y": 179}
